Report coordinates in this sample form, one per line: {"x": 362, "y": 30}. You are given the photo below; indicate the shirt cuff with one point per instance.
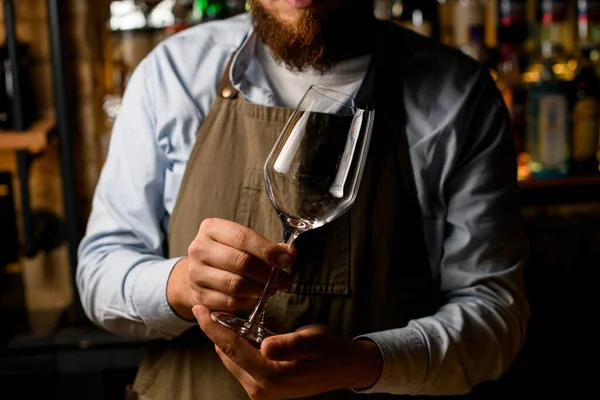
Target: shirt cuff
{"x": 405, "y": 361}
{"x": 149, "y": 298}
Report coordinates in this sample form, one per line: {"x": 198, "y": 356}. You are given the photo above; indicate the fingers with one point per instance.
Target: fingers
{"x": 255, "y": 390}
{"x": 309, "y": 343}
{"x": 242, "y": 376}
{"x": 229, "y": 265}
{"x": 246, "y": 240}
{"x": 242, "y": 264}
{"x": 230, "y": 283}
{"x": 218, "y": 301}
{"x": 236, "y": 348}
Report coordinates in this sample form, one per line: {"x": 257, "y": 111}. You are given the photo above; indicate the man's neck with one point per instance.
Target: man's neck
{"x": 288, "y": 86}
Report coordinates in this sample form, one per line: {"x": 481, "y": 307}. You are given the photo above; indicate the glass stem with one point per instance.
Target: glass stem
{"x": 261, "y": 307}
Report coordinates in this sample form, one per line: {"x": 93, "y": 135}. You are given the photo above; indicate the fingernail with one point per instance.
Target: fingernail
{"x": 283, "y": 260}
{"x": 196, "y": 311}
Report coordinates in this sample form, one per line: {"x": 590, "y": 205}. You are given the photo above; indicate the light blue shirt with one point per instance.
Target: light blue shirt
{"x": 464, "y": 171}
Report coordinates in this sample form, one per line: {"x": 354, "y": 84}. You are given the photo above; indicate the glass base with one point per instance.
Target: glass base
{"x": 253, "y": 332}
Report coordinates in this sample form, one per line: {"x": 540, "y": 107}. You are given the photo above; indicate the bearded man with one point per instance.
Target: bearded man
{"x": 417, "y": 290}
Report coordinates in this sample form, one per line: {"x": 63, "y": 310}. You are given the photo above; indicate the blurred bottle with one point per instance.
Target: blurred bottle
{"x": 548, "y": 118}
{"x": 588, "y": 23}
{"x": 491, "y": 26}
{"x": 467, "y": 14}
{"x": 551, "y": 43}
{"x": 585, "y": 100}
{"x": 585, "y": 91}
{"x": 588, "y": 29}
{"x": 512, "y": 21}
{"x": 445, "y": 18}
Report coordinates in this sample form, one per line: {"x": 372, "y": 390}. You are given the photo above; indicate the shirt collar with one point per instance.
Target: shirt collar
{"x": 247, "y": 75}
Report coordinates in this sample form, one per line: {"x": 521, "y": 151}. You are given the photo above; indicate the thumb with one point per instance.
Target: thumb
{"x": 304, "y": 344}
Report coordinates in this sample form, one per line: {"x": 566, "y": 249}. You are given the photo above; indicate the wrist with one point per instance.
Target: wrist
{"x": 365, "y": 366}
{"x": 176, "y": 291}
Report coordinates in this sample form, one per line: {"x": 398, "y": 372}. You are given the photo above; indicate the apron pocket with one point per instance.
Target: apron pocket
{"x": 254, "y": 208}
{"x": 322, "y": 265}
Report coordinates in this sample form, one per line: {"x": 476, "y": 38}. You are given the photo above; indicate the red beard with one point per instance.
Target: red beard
{"x": 317, "y": 41}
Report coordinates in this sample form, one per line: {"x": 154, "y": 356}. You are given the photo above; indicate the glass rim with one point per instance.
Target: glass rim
{"x": 320, "y": 89}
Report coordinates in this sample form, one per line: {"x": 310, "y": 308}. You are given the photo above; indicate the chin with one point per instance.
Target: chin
{"x": 290, "y": 18}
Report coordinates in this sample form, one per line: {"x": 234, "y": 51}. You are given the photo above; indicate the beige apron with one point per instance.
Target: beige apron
{"x": 365, "y": 272}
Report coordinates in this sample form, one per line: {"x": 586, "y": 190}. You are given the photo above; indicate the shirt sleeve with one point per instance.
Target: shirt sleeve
{"x": 481, "y": 326}
{"x": 121, "y": 274}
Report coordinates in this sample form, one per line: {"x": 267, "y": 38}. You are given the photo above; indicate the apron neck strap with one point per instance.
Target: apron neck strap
{"x": 225, "y": 88}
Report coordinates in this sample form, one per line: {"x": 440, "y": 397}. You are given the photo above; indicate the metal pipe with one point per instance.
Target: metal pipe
{"x": 61, "y": 102}
{"x": 19, "y": 124}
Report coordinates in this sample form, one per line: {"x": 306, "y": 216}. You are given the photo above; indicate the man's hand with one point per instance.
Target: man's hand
{"x": 226, "y": 269}
{"x": 305, "y": 363}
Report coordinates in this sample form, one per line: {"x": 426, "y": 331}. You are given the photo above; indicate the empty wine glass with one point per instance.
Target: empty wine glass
{"x": 312, "y": 177}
